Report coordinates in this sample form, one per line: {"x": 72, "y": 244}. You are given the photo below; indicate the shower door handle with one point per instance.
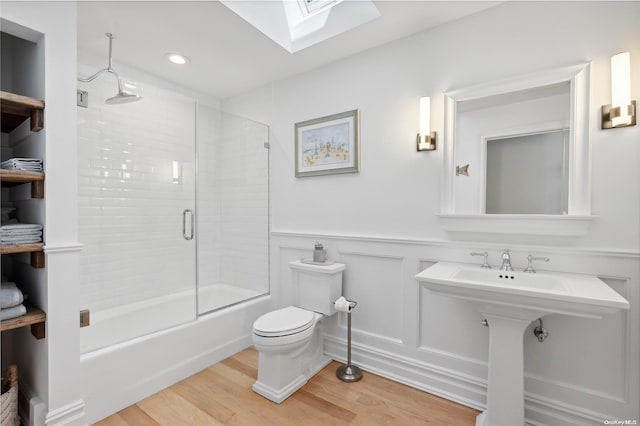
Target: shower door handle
{"x": 184, "y": 224}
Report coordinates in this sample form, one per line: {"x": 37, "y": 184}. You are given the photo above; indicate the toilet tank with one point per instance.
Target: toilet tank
{"x": 317, "y": 286}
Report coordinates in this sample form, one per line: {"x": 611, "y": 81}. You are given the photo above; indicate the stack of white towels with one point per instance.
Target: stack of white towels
{"x": 20, "y": 233}
{"x": 23, "y": 164}
{"x": 11, "y": 299}
{"x": 13, "y": 232}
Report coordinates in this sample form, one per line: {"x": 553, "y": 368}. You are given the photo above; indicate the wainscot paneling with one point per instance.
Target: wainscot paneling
{"x": 586, "y": 371}
{"x": 376, "y": 283}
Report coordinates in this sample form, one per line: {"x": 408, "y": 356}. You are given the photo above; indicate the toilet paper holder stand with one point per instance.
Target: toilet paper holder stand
{"x": 349, "y": 372}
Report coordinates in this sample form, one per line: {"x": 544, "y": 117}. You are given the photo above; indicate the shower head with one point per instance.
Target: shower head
{"x": 122, "y": 97}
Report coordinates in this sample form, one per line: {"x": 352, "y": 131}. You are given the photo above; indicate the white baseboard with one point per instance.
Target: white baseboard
{"x": 70, "y": 415}
{"x": 453, "y": 386}
{"x": 31, "y": 409}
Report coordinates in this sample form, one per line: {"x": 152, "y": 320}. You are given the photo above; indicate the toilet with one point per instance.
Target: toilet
{"x": 289, "y": 341}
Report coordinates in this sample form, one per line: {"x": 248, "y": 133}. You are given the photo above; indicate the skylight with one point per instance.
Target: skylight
{"x": 309, "y": 7}
{"x": 298, "y": 24}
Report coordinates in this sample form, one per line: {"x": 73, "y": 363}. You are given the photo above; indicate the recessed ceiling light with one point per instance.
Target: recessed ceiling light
{"x": 177, "y": 58}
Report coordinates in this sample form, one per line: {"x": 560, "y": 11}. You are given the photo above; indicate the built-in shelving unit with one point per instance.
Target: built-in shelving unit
{"x": 15, "y": 110}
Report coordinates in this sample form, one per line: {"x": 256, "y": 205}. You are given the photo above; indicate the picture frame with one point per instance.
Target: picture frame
{"x": 328, "y": 145}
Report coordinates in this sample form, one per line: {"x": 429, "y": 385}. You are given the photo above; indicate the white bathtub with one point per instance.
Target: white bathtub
{"x": 221, "y": 295}
{"x": 121, "y": 374}
{"x": 126, "y": 322}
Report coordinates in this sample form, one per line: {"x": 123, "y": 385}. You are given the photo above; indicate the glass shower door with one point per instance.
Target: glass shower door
{"x": 137, "y": 203}
{"x": 233, "y": 209}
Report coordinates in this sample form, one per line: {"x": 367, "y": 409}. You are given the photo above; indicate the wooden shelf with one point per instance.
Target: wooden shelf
{"x": 34, "y": 318}
{"x": 36, "y": 250}
{"x": 17, "y": 177}
{"x": 16, "y": 109}
{"x": 21, "y": 248}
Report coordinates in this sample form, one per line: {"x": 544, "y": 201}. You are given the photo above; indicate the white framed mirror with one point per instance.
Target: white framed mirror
{"x": 526, "y": 141}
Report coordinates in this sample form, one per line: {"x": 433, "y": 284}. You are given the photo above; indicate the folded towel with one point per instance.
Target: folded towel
{"x": 14, "y": 312}
{"x": 19, "y": 233}
{"x": 24, "y": 164}
{"x": 20, "y": 240}
{"x": 22, "y": 160}
{"x": 20, "y": 226}
{"x": 10, "y": 295}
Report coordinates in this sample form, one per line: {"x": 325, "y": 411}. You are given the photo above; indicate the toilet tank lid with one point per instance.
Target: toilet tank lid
{"x": 334, "y": 268}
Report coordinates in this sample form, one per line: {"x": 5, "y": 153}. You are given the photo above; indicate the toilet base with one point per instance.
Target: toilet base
{"x": 279, "y": 395}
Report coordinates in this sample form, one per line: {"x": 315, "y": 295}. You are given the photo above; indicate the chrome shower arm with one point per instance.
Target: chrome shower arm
{"x": 93, "y": 77}
{"x": 97, "y": 74}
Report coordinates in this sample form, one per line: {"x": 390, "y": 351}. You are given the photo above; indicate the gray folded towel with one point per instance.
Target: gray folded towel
{"x": 20, "y": 233}
{"x": 12, "y": 241}
{"x": 10, "y": 295}
{"x": 20, "y": 227}
{"x": 25, "y": 164}
{"x": 14, "y": 312}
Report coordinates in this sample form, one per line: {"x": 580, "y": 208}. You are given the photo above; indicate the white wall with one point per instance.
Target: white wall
{"x": 387, "y": 229}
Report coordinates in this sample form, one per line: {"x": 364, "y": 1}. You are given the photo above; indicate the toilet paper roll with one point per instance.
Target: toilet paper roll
{"x": 343, "y": 305}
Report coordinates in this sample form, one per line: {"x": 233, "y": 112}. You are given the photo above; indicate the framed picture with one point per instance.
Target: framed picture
{"x": 328, "y": 145}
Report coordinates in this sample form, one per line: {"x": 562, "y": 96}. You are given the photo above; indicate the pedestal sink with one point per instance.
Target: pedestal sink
{"x": 510, "y": 301}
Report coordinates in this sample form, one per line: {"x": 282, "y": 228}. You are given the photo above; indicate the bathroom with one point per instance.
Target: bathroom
{"x": 386, "y": 222}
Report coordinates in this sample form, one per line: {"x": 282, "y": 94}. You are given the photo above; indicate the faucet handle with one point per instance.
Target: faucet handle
{"x": 485, "y": 265}
{"x": 530, "y": 260}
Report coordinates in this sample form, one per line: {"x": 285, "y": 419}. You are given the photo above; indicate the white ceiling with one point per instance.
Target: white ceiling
{"x": 229, "y": 56}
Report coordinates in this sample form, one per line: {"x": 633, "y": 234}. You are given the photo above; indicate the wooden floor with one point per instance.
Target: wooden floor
{"x": 222, "y": 395}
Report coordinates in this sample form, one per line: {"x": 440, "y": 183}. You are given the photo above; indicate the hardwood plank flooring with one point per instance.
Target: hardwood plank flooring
{"x": 222, "y": 395}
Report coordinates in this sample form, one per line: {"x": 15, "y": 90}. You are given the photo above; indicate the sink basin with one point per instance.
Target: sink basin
{"x": 542, "y": 293}
{"x": 521, "y": 280}
{"x": 510, "y": 301}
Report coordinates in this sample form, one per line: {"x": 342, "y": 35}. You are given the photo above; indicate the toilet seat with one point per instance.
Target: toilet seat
{"x": 283, "y": 322}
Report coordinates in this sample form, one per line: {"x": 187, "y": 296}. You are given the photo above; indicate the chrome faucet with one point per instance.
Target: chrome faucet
{"x": 506, "y": 261}
{"x": 531, "y": 258}
{"x": 485, "y": 254}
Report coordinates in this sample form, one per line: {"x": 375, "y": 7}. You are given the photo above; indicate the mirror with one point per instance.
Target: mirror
{"x": 528, "y": 174}
{"x": 526, "y": 141}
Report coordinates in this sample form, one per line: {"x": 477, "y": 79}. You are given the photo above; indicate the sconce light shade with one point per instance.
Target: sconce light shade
{"x": 426, "y": 140}
{"x": 175, "y": 172}
{"x": 622, "y": 111}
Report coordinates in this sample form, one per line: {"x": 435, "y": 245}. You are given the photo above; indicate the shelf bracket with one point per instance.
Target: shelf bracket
{"x": 37, "y": 189}
{"x": 37, "y": 259}
{"x": 38, "y": 330}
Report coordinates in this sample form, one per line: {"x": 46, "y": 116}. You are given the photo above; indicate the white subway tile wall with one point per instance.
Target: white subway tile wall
{"x": 131, "y": 205}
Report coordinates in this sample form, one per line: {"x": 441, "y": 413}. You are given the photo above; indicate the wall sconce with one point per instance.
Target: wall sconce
{"x": 426, "y": 140}
{"x": 176, "y": 173}
{"x": 622, "y": 111}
